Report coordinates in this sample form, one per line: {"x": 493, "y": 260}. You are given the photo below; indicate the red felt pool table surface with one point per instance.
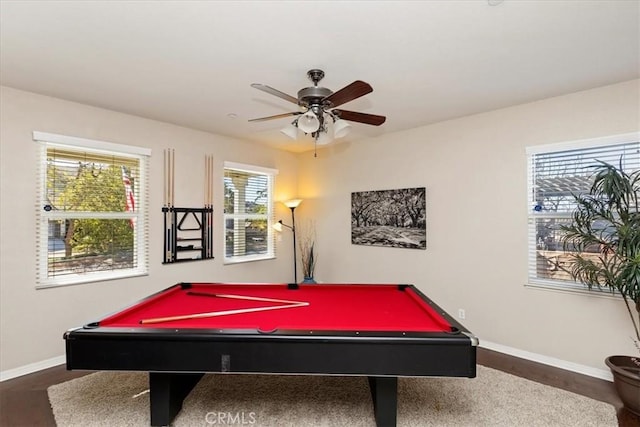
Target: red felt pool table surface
{"x": 339, "y": 307}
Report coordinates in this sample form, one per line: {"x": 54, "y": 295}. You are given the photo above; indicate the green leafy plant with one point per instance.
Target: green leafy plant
{"x": 605, "y": 235}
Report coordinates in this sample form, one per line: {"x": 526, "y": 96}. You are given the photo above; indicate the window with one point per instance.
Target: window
{"x": 248, "y": 212}
{"x": 556, "y": 173}
{"x": 92, "y": 213}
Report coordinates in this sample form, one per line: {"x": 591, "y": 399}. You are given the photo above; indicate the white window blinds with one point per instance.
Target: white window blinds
{"x": 556, "y": 174}
{"x": 248, "y": 212}
{"x": 92, "y": 212}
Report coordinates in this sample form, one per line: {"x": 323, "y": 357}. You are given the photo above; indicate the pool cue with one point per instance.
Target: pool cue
{"x": 172, "y": 170}
{"x": 171, "y": 187}
{"x": 210, "y": 227}
{"x": 208, "y": 205}
{"x": 219, "y": 313}
{"x": 244, "y": 297}
{"x": 205, "y": 245}
{"x": 165, "y": 201}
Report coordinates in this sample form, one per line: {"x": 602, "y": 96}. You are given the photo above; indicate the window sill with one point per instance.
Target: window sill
{"x": 248, "y": 258}
{"x": 72, "y": 281}
{"x": 571, "y": 289}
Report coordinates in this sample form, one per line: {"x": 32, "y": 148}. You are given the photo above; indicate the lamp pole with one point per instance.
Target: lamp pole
{"x": 295, "y": 258}
{"x": 293, "y": 204}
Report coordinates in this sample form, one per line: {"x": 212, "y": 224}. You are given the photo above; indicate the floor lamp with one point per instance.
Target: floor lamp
{"x": 291, "y": 204}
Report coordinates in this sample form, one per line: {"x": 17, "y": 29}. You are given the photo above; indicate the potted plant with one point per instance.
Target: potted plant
{"x": 308, "y": 255}
{"x": 604, "y": 236}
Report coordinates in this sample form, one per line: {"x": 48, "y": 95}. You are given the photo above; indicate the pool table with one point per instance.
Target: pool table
{"x": 381, "y": 331}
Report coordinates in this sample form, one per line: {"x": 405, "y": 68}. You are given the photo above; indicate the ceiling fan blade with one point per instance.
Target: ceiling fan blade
{"x": 348, "y": 93}
{"x": 352, "y": 116}
{"x": 277, "y": 116}
{"x": 275, "y": 92}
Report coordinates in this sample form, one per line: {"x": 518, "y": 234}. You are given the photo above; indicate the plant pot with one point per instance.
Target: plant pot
{"x": 308, "y": 280}
{"x": 626, "y": 378}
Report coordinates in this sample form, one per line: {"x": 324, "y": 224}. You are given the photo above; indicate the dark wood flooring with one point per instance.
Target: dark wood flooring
{"x": 24, "y": 401}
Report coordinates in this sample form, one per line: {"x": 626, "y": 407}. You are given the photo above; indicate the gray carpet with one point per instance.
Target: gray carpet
{"x": 493, "y": 398}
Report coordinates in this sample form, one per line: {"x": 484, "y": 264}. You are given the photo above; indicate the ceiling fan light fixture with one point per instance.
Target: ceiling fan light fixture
{"x": 290, "y": 130}
{"x": 324, "y": 138}
{"x": 308, "y": 122}
{"x": 341, "y": 128}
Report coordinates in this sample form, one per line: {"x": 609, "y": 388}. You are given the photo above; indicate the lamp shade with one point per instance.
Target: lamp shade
{"x": 293, "y": 203}
{"x": 291, "y": 131}
{"x": 341, "y": 128}
{"x": 308, "y": 122}
{"x": 277, "y": 226}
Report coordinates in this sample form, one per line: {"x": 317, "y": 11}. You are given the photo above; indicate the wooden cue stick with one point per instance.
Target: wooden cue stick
{"x": 244, "y": 297}
{"x": 209, "y": 177}
{"x": 210, "y": 195}
{"x": 210, "y": 203}
{"x": 210, "y": 228}
{"x": 170, "y": 200}
{"x": 206, "y": 204}
{"x": 173, "y": 176}
{"x": 219, "y": 313}
{"x": 172, "y": 166}
{"x": 165, "y": 201}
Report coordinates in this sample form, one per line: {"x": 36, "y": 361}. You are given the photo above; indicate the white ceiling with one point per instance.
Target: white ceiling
{"x": 191, "y": 62}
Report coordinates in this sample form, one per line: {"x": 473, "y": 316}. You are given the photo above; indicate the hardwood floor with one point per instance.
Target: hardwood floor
{"x": 24, "y": 401}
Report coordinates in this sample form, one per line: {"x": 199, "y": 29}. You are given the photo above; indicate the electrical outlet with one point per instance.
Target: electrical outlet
{"x": 461, "y": 313}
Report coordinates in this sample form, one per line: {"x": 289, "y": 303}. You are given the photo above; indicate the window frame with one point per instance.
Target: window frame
{"x": 141, "y": 214}
{"x": 270, "y": 215}
{"x": 532, "y": 215}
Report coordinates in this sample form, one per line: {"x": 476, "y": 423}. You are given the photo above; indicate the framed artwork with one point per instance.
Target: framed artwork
{"x": 392, "y": 218}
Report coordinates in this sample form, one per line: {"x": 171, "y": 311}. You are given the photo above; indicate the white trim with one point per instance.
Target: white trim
{"x": 247, "y": 258}
{"x": 250, "y": 168}
{"x": 548, "y": 360}
{"x": 92, "y": 143}
{"x": 98, "y": 276}
{"x": 572, "y": 288}
{"x": 585, "y": 143}
{"x": 31, "y": 368}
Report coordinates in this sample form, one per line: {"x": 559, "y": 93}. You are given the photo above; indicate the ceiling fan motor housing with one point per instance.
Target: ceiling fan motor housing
{"x": 313, "y": 96}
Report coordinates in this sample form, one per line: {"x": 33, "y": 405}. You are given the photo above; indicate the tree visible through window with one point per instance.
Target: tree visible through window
{"x": 248, "y": 212}
{"x": 92, "y": 222}
{"x": 556, "y": 174}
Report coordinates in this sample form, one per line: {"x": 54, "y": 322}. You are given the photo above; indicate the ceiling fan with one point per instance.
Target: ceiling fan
{"x": 318, "y": 115}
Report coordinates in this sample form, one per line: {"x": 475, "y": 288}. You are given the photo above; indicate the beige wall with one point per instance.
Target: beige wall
{"x": 474, "y": 170}
{"x": 32, "y": 321}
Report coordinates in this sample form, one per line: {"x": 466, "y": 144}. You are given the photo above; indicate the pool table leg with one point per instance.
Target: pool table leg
{"x": 384, "y": 392}
{"x": 166, "y": 393}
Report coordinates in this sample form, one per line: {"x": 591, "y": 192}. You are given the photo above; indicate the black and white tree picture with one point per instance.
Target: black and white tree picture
{"x": 394, "y": 218}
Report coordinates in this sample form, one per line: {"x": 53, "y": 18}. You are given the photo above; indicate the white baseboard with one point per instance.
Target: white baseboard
{"x": 547, "y": 360}
{"x": 534, "y": 357}
{"x": 31, "y": 368}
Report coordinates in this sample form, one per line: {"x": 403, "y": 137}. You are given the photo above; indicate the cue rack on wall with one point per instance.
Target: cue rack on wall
{"x": 188, "y": 232}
